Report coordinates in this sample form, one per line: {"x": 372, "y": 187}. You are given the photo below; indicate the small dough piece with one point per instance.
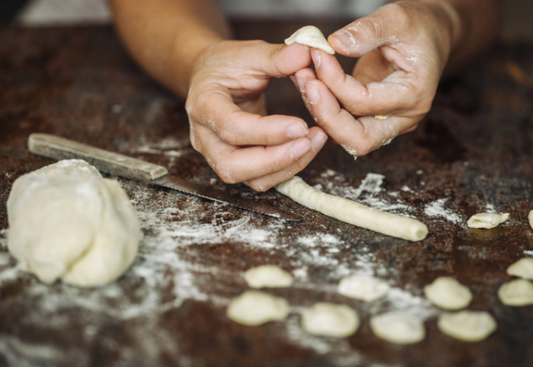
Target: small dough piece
{"x": 448, "y": 293}
{"x": 398, "y": 327}
{"x": 487, "y": 220}
{"x": 256, "y": 308}
{"x": 351, "y": 212}
{"x": 270, "y": 276}
{"x": 363, "y": 287}
{"x": 523, "y": 268}
{"x": 328, "y": 319}
{"x": 468, "y": 326}
{"x": 310, "y": 36}
{"x": 381, "y": 117}
{"x": 518, "y": 292}
{"x": 530, "y": 217}
{"x": 67, "y": 222}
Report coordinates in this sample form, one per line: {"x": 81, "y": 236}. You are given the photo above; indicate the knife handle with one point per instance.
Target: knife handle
{"x": 55, "y": 147}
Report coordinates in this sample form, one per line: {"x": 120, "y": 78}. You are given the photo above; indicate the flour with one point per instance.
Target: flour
{"x": 436, "y": 209}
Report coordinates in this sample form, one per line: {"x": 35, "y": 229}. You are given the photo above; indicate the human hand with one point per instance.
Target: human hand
{"x": 403, "y": 49}
{"x": 227, "y": 115}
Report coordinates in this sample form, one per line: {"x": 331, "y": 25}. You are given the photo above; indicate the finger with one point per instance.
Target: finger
{"x": 318, "y": 138}
{"x": 383, "y": 27}
{"x": 357, "y": 136}
{"x": 394, "y": 94}
{"x": 234, "y": 164}
{"x": 237, "y": 127}
{"x": 277, "y": 60}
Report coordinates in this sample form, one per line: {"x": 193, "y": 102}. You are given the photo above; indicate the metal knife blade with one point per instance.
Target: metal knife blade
{"x": 56, "y": 147}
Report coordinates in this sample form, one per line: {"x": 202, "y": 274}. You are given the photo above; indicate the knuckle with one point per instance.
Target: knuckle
{"x": 223, "y": 170}
{"x": 227, "y": 134}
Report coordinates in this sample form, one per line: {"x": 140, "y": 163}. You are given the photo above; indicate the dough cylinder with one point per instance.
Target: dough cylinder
{"x": 351, "y": 212}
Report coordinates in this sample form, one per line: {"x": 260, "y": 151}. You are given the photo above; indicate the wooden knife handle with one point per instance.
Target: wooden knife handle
{"x": 55, "y": 147}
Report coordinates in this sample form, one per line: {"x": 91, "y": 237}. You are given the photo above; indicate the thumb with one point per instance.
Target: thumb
{"x": 281, "y": 60}
{"x": 383, "y": 27}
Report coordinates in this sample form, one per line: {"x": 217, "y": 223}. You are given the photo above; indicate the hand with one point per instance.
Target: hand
{"x": 228, "y": 120}
{"x": 404, "y": 48}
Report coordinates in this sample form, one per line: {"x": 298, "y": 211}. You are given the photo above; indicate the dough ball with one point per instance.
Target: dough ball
{"x": 328, "y": 319}
{"x": 487, "y": 220}
{"x": 270, "y": 276}
{"x": 363, "y": 287}
{"x": 523, "y": 268}
{"x": 256, "y": 308}
{"x": 67, "y": 222}
{"x": 448, "y": 293}
{"x": 398, "y": 327}
{"x": 469, "y": 326}
{"x": 310, "y": 36}
{"x": 517, "y": 292}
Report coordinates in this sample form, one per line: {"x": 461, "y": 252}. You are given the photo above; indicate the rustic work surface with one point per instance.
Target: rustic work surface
{"x": 473, "y": 153}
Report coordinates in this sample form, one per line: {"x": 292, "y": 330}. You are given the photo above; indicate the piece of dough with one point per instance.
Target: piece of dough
{"x": 398, "y": 327}
{"x": 487, "y": 220}
{"x": 530, "y": 217}
{"x": 518, "y": 292}
{"x": 448, "y": 293}
{"x": 351, "y": 212}
{"x": 256, "y": 308}
{"x": 523, "y": 268}
{"x": 469, "y": 326}
{"x": 270, "y": 276}
{"x": 310, "y": 36}
{"x": 363, "y": 287}
{"x": 67, "y": 222}
{"x": 328, "y": 319}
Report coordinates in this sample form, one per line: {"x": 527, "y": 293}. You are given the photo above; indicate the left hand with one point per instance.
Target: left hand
{"x": 403, "y": 49}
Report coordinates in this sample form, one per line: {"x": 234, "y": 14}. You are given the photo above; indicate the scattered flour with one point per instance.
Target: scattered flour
{"x": 436, "y": 209}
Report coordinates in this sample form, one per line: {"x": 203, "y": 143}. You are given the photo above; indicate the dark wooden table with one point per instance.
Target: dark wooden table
{"x": 473, "y": 152}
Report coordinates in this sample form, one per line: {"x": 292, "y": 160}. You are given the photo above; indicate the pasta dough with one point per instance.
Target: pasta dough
{"x": 256, "y": 308}
{"x": 328, "y": 319}
{"x": 448, "y": 293}
{"x": 487, "y": 220}
{"x": 267, "y": 276}
{"x": 67, "y": 222}
{"x": 470, "y": 326}
{"x": 530, "y": 217}
{"x": 363, "y": 287}
{"x": 523, "y": 268}
{"x": 310, "y": 36}
{"x": 398, "y": 327}
{"x": 352, "y": 212}
{"x": 518, "y": 292}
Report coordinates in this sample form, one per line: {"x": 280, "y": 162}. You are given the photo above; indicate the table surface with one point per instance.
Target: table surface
{"x": 471, "y": 154}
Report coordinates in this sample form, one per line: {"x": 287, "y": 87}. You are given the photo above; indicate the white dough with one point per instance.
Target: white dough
{"x": 67, "y": 222}
{"x": 270, "y": 276}
{"x": 469, "y": 326}
{"x": 351, "y": 212}
{"x": 523, "y": 268}
{"x": 448, "y": 293}
{"x": 363, "y": 287}
{"x": 328, "y": 319}
{"x": 256, "y": 308}
{"x": 310, "y": 36}
{"x": 530, "y": 217}
{"x": 487, "y": 220}
{"x": 518, "y": 292}
{"x": 398, "y": 327}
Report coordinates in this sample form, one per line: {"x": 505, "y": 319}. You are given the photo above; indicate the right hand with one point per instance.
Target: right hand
{"x": 229, "y": 125}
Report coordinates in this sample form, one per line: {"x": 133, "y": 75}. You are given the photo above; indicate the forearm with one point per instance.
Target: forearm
{"x": 474, "y": 24}
{"x": 166, "y": 36}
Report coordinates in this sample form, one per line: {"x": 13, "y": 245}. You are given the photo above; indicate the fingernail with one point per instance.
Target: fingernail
{"x": 300, "y": 148}
{"x": 344, "y": 38}
{"x": 296, "y": 131}
{"x": 295, "y": 81}
{"x": 317, "y": 58}
{"x": 312, "y": 92}
{"x": 318, "y": 141}
{"x": 301, "y": 82}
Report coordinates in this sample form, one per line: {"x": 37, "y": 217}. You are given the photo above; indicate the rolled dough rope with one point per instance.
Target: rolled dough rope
{"x": 351, "y": 212}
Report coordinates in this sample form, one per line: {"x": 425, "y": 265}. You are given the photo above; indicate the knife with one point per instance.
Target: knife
{"x": 55, "y": 147}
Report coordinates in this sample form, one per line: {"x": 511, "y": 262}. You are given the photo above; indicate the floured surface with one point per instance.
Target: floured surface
{"x": 169, "y": 308}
